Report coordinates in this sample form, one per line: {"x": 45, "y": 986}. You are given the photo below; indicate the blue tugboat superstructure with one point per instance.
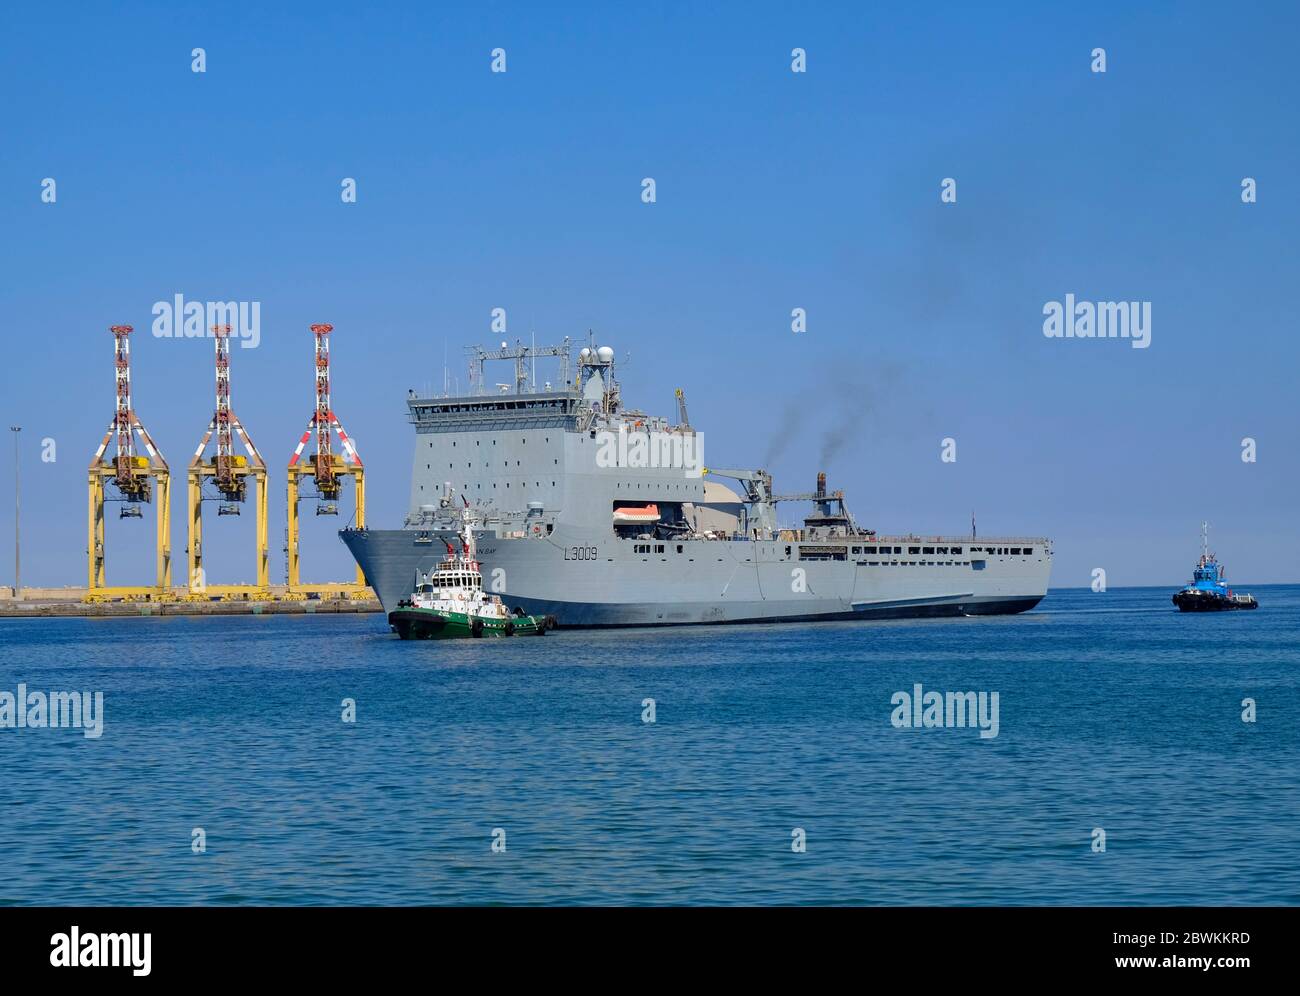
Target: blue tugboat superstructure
{"x": 1208, "y": 591}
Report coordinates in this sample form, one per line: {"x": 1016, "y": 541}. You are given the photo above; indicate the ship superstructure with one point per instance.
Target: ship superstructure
{"x": 602, "y": 515}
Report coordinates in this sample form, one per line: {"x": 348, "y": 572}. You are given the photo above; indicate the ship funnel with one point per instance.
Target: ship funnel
{"x": 821, "y": 484}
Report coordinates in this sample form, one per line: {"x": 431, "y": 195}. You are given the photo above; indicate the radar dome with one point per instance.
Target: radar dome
{"x": 585, "y": 355}
{"x": 606, "y": 354}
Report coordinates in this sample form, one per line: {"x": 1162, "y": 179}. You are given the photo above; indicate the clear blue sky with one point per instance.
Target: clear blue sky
{"x": 775, "y": 190}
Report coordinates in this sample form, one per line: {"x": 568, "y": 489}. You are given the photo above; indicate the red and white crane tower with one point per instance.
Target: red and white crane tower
{"x": 328, "y": 470}
{"x": 229, "y": 473}
{"x": 132, "y": 476}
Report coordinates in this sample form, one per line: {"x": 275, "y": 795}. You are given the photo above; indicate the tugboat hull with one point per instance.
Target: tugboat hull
{"x": 428, "y": 624}
{"x": 1203, "y": 601}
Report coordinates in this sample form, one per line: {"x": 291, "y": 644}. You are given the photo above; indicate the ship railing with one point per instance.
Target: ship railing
{"x": 958, "y": 540}
{"x": 448, "y": 519}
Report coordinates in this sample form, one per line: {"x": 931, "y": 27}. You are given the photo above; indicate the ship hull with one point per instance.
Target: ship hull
{"x": 585, "y": 581}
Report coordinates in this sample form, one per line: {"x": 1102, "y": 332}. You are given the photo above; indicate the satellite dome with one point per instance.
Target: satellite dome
{"x": 606, "y": 354}
{"x": 585, "y": 355}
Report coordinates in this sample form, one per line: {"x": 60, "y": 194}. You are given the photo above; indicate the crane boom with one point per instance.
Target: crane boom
{"x": 684, "y": 420}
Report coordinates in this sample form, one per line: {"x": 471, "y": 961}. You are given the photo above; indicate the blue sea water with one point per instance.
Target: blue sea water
{"x": 1116, "y": 712}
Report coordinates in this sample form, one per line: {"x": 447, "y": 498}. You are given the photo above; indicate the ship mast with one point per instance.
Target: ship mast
{"x": 470, "y": 548}
{"x": 1205, "y": 541}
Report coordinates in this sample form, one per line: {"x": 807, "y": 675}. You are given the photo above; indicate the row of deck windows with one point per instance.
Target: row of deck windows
{"x": 523, "y": 486}
{"x": 943, "y": 551}
{"x": 504, "y": 463}
{"x": 914, "y": 550}
{"x": 478, "y": 442}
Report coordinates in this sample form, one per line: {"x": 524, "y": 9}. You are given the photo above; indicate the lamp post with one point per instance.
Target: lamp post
{"x": 18, "y": 563}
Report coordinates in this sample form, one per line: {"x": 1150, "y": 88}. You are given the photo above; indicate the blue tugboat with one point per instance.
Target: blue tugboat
{"x": 1207, "y": 591}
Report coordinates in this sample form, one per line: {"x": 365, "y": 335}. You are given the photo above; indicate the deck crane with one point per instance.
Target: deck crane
{"x": 229, "y": 473}
{"x": 760, "y": 508}
{"x": 683, "y": 420}
{"x": 328, "y": 470}
{"x": 133, "y": 477}
{"x": 761, "y": 503}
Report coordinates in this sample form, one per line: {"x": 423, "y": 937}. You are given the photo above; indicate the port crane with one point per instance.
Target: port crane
{"x": 229, "y": 473}
{"x": 327, "y": 470}
{"x": 134, "y": 478}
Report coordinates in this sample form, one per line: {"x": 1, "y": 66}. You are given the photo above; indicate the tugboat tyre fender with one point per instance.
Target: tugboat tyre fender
{"x": 476, "y": 628}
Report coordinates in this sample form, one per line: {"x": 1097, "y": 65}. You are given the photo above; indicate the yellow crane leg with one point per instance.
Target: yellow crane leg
{"x": 292, "y": 543}
{"x": 194, "y": 580}
{"x": 95, "y": 535}
{"x": 360, "y": 477}
{"x": 263, "y": 559}
{"x": 163, "y": 511}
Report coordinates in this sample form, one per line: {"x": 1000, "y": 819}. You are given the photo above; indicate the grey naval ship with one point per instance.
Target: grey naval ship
{"x": 602, "y": 515}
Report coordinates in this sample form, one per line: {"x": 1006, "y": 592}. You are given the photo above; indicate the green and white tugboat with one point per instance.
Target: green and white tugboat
{"x": 451, "y": 602}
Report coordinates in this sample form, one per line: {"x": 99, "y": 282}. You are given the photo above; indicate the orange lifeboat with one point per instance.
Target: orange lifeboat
{"x": 630, "y": 515}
